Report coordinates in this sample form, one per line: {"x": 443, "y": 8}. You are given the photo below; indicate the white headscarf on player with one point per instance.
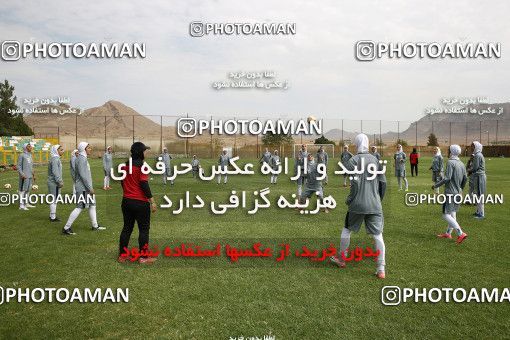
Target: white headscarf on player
{"x": 478, "y": 146}
{"x": 25, "y": 147}
{"x": 455, "y": 151}
{"x": 361, "y": 142}
{"x": 81, "y": 148}
{"x": 54, "y": 151}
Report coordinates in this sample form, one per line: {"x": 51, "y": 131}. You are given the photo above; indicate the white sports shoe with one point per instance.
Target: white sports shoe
{"x": 30, "y": 206}
{"x": 23, "y": 208}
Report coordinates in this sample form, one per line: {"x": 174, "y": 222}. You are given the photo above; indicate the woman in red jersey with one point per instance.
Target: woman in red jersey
{"x": 137, "y": 203}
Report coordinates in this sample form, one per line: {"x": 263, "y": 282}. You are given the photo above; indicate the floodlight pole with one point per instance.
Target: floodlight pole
{"x": 105, "y": 133}
{"x": 342, "y": 131}
{"x": 76, "y": 130}
{"x": 450, "y": 132}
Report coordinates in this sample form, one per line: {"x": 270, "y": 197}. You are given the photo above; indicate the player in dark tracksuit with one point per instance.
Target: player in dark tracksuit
{"x": 413, "y": 160}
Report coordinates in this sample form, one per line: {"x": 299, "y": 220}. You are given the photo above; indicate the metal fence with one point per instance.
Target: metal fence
{"x": 120, "y": 131}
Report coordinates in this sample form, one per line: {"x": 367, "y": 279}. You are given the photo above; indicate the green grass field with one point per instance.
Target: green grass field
{"x": 216, "y": 299}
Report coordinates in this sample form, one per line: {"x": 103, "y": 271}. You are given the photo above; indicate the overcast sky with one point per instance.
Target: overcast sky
{"x": 325, "y": 79}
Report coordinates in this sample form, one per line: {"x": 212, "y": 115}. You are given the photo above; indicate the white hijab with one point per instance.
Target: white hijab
{"x": 478, "y": 146}
{"x": 54, "y": 151}
{"x": 455, "y": 151}
{"x": 25, "y": 147}
{"x": 438, "y": 152}
{"x": 108, "y": 147}
{"x": 361, "y": 142}
{"x": 81, "y": 148}
{"x": 399, "y": 148}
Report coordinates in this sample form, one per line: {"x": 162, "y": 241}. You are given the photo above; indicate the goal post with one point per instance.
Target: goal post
{"x": 314, "y": 148}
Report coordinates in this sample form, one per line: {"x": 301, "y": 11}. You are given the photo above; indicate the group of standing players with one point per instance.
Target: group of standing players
{"x": 454, "y": 180}
{"x": 81, "y": 177}
{"x": 364, "y": 199}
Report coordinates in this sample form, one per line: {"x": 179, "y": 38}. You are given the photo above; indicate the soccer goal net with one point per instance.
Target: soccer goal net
{"x": 314, "y": 148}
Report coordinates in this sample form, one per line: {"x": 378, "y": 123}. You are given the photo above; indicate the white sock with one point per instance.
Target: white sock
{"x": 53, "y": 210}
{"x": 164, "y": 178}
{"x": 21, "y": 199}
{"x": 219, "y": 179}
{"x": 225, "y": 180}
{"x": 74, "y": 215}
{"x": 299, "y": 190}
{"x": 452, "y": 223}
{"x": 345, "y": 240}
{"x": 275, "y": 178}
{"x": 379, "y": 245}
{"x": 104, "y": 182}
{"x": 436, "y": 190}
{"x": 108, "y": 181}
{"x": 272, "y": 179}
{"x": 407, "y": 184}
{"x": 74, "y": 190}
{"x": 345, "y": 180}
{"x": 399, "y": 181}
{"x": 92, "y": 215}
{"x": 450, "y": 229}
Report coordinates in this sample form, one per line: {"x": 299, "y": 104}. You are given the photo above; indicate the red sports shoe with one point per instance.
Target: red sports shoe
{"x": 444, "y": 235}
{"x": 461, "y": 238}
{"x": 337, "y": 261}
{"x": 147, "y": 260}
{"x": 122, "y": 259}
